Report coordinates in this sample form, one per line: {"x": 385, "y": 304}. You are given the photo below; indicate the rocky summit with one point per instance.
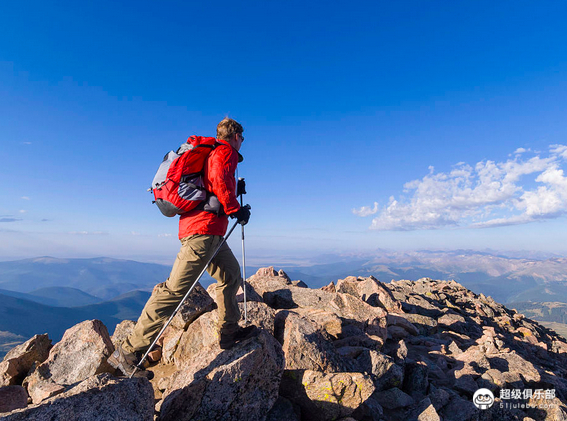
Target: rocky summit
{"x": 356, "y": 349}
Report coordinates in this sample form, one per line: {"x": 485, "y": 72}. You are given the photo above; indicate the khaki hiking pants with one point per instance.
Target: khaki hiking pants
{"x": 196, "y": 250}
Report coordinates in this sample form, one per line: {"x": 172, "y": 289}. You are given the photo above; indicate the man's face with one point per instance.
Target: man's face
{"x": 236, "y": 141}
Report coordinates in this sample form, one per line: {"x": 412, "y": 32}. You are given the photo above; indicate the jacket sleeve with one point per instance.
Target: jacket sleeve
{"x": 222, "y": 166}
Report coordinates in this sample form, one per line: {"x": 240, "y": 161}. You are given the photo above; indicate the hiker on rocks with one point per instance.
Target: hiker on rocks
{"x": 201, "y": 232}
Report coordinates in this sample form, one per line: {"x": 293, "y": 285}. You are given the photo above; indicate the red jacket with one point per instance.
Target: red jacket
{"x": 219, "y": 180}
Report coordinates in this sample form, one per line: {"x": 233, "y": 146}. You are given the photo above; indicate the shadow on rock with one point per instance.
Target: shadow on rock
{"x": 239, "y": 384}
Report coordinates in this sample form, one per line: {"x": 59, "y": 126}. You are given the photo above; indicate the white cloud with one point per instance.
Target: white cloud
{"x": 164, "y": 235}
{"x": 501, "y": 222}
{"x": 22, "y": 211}
{"x": 88, "y": 233}
{"x": 548, "y": 200}
{"x": 560, "y": 150}
{"x": 487, "y": 194}
{"x": 25, "y": 198}
{"x": 520, "y": 150}
{"x": 366, "y": 210}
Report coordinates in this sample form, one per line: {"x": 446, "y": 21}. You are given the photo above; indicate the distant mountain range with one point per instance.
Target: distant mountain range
{"x": 46, "y": 294}
{"x": 8, "y": 341}
{"x": 56, "y": 296}
{"x": 506, "y": 279}
{"x": 552, "y": 312}
{"x": 26, "y": 318}
{"x": 103, "y": 278}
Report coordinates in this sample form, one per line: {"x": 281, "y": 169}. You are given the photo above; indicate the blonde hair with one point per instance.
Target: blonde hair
{"x": 228, "y": 128}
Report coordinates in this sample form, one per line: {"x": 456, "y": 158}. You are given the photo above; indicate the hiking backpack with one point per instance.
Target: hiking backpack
{"x": 178, "y": 183}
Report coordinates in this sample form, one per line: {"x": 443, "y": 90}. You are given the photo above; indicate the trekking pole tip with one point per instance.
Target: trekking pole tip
{"x": 133, "y": 372}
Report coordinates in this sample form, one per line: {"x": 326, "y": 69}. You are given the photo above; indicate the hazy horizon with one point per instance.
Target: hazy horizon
{"x": 273, "y": 259}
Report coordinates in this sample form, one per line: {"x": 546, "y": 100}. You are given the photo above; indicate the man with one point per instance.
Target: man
{"x": 201, "y": 232}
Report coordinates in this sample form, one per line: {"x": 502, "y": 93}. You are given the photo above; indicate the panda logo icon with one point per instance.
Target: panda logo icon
{"x": 483, "y": 399}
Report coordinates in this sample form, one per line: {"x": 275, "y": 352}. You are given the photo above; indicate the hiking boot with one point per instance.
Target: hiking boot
{"x": 126, "y": 362}
{"x": 228, "y": 340}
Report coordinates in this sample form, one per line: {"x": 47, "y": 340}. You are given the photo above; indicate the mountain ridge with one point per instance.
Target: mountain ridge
{"x": 101, "y": 277}
{"x": 27, "y": 318}
{"x": 356, "y": 349}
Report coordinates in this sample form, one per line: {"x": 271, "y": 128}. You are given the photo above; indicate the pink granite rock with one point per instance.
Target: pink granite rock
{"x": 239, "y": 383}
{"x": 100, "y": 398}
{"x": 81, "y": 353}
{"x": 18, "y": 362}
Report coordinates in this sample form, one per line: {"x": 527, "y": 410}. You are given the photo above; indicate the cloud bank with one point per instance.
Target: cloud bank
{"x": 488, "y": 194}
{"x": 88, "y": 233}
{"x": 366, "y": 210}
{"x": 9, "y": 219}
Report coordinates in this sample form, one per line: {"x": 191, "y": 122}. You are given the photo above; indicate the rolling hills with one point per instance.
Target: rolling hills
{"x": 104, "y": 278}
{"x": 26, "y": 318}
{"x": 56, "y": 296}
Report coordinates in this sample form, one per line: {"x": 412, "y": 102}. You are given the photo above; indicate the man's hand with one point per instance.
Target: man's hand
{"x": 242, "y": 215}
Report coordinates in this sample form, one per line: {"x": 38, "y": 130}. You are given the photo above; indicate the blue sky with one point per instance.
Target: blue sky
{"x": 449, "y": 115}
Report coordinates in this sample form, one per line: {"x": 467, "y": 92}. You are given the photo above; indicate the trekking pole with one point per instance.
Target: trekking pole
{"x": 243, "y": 262}
{"x": 182, "y": 301}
